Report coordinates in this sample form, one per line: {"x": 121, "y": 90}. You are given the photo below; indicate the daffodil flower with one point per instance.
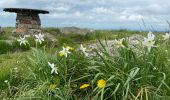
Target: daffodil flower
{"x": 166, "y": 36}
{"x": 119, "y": 43}
{"x": 149, "y": 41}
{"x": 83, "y": 49}
{"x": 22, "y": 40}
{"x": 53, "y": 68}
{"x": 64, "y": 52}
{"x": 39, "y": 38}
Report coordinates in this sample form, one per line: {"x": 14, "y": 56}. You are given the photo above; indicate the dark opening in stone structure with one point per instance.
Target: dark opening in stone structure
{"x": 28, "y": 20}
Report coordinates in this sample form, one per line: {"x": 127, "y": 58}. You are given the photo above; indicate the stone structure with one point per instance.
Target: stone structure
{"x": 0, "y": 29}
{"x": 27, "y": 21}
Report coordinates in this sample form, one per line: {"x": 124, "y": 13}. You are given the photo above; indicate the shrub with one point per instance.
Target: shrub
{"x": 5, "y": 47}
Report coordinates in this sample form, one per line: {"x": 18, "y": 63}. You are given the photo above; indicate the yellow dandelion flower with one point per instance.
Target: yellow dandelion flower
{"x": 101, "y": 83}
{"x": 52, "y": 86}
{"x": 84, "y": 86}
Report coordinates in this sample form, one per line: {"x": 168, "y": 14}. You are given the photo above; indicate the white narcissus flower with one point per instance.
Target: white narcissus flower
{"x": 83, "y": 49}
{"x": 149, "y": 44}
{"x": 150, "y": 36}
{"x": 166, "y": 36}
{"x": 149, "y": 41}
{"x": 6, "y": 81}
{"x": 39, "y": 38}
{"x": 53, "y": 68}
{"x": 119, "y": 43}
{"x": 22, "y": 40}
{"x": 64, "y": 52}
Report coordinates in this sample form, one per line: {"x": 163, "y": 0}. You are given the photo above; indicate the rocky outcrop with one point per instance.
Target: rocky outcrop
{"x": 75, "y": 30}
{"x": 110, "y": 45}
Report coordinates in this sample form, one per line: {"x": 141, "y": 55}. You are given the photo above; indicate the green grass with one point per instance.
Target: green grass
{"x": 8, "y": 63}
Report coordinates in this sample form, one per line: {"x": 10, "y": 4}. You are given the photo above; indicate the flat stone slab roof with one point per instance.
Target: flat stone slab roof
{"x": 16, "y": 10}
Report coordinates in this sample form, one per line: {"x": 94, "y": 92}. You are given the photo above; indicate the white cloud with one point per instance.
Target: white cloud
{"x": 7, "y": 14}
{"x": 62, "y": 8}
{"x": 58, "y": 7}
{"x": 78, "y": 14}
{"x": 90, "y": 17}
{"x": 132, "y": 17}
{"x": 66, "y": 15}
{"x": 96, "y": 11}
{"x": 2, "y": 2}
{"x": 101, "y": 10}
{"x": 58, "y": 15}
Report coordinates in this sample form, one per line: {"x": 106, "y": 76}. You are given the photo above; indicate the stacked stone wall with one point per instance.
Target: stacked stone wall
{"x": 28, "y": 23}
{"x": 1, "y": 30}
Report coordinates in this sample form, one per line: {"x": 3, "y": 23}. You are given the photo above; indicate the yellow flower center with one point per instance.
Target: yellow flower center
{"x": 62, "y": 54}
{"x": 101, "y": 83}
{"x": 52, "y": 86}
{"x": 70, "y": 48}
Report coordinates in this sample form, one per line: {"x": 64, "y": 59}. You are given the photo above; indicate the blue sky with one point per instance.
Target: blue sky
{"x": 97, "y": 14}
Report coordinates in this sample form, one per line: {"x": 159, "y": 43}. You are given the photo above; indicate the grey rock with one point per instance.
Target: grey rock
{"x": 75, "y": 30}
{"x": 134, "y": 41}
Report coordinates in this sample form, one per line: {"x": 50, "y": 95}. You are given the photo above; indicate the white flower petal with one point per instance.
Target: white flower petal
{"x": 53, "y": 68}
{"x": 39, "y": 38}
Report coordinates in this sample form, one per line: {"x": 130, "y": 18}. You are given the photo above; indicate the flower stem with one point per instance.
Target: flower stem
{"x": 36, "y": 44}
{"x": 65, "y": 67}
{"x": 102, "y": 94}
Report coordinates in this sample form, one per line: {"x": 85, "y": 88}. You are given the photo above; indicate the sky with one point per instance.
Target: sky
{"x": 95, "y": 14}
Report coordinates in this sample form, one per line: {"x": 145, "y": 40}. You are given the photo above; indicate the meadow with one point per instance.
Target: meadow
{"x": 53, "y": 66}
